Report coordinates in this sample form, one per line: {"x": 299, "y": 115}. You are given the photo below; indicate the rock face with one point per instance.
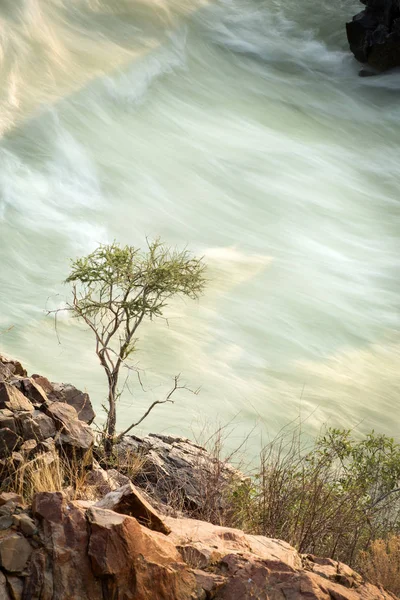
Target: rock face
{"x": 60, "y": 550}
{"x": 176, "y": 467}
{"x": 127, "y": 500}
{"x": 36, "y": 417}
{"x": 374, "y": 34}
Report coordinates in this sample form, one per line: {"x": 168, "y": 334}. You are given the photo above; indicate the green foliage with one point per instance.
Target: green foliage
{"x": 116, "y": 288}
{"x": 331, "y": 499}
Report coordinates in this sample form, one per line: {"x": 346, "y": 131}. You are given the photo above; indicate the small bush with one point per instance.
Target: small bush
{"x": 330, "y": 498}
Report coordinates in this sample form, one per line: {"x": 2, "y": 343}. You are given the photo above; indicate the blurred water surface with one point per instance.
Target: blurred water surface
{"x": 240, "y": 128}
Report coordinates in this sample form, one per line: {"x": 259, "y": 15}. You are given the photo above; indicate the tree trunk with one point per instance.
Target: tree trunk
{"x": 112, "y": 416}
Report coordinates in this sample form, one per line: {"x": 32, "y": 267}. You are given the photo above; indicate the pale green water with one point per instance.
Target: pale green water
{"x": 243, "y": 130}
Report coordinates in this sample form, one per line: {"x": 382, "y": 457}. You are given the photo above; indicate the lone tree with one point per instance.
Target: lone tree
{"x": 114, "y": 289}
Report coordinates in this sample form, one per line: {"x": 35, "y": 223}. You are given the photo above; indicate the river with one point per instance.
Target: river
{"x": 237, "y": 127}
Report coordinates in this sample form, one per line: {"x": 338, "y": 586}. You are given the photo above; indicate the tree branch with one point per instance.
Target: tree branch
{"x": 168, "y": 397}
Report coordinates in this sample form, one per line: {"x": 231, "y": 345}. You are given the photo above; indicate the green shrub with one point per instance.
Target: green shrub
{"x": 330, "y": 499}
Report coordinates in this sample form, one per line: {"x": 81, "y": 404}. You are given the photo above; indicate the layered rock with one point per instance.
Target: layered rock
{"x": 60, "y": 550}
{"x": 176, "y": 467}
{"x": 374, "y": 34}
{"x": 37, "y": 416}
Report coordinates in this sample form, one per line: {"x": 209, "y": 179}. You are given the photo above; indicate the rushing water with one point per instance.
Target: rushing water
{"x": 241, "y": 128}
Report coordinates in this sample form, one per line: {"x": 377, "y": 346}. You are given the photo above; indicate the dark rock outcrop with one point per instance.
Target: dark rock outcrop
{"x": 37, "y": 417}
{"x": 374, "y": 34}
{"x": 175, "y": 466}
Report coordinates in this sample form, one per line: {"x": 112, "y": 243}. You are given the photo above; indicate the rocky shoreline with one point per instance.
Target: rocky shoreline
{"x": 123, "y": 539}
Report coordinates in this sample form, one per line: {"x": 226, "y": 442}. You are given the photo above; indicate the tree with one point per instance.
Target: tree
{"x": 115, "y": 289}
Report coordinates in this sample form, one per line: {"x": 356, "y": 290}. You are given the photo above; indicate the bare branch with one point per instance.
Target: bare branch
{"x": 168, "y": 397}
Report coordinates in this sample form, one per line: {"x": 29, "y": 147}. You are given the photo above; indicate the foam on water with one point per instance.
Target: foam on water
{"x": 245, "y": 132}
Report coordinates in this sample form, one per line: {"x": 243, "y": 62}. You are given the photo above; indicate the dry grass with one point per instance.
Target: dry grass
{"x": 126, "y": 461}
{"x": 49, "y": 472}
{"x": 380, "y": 564}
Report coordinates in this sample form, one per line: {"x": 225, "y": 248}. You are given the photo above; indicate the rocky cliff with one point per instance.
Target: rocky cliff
{"x": 116, "y": 545}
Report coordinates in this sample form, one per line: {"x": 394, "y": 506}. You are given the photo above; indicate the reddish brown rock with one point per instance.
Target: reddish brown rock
{"x": 65, "y": 530}
{"x": 135, "y": 562}
{"x": 25, "y": 524}
{"x": 71, "y": 431}
{"x": 36, "y": 425}
{"x": 12, "y": 366}
{"x": 44, "y": 383}
{"x": 209, "y": 583}
{"x": 65, "y": 392}
{"x": 90, "y": 553}
{"x": 39, "y": 580}
{"x": 15, "y": 552}
{"x": 6, "y": 497}
{"x": 266, "y": 569}
{"x": 333, "y": 570}
{"x": 13, "y": 399}
{"x": 33, "y": 390}
{"x": 127, "y": 500}
{"x": 49, "y": 506}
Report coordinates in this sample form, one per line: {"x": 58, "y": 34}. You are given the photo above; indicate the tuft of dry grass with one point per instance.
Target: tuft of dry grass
{"x": 380, "y": 563}
{"x": 49, "y": 472}
{"x": 126, "y": 461}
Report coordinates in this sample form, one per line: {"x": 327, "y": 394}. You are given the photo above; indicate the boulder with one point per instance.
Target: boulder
{"x": 15, "y": 552}
{"x": 25, "y": 523}
{"x": 48, "y": 506}
{"x": 33, "y": 390}
{"x": 127, "y": 500}
{"x": 12, "y": 366}
{"x": 213, "y": 542}
{"x": 374, "y": 34}
{"x": 80, "y": 401}
{"x": 72, "y": 432}
{"x": 68, "y": 573}
{"x": 12, "y": 399}
{"x": 244, "y": 567}
{"x": 176, "y": 467}
{"x": 36, "y": 425}
{"x": 93, "y": 554}
{"x": 135, "y": 563}
{"x": 44, "y": 383}
{"x": 7, "y": 419}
